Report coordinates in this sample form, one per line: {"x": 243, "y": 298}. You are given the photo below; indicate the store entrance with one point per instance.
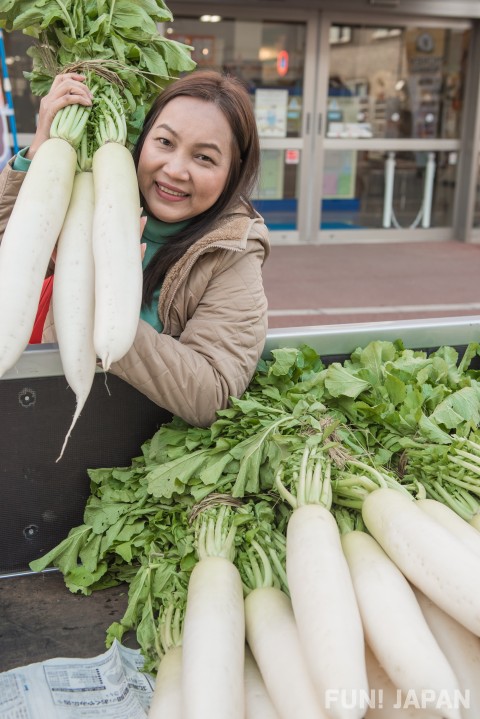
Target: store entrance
{"x": 359, "y": 122}
{"x": 392, "y": 133}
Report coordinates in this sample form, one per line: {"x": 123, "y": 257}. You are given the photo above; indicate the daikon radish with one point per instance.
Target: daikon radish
{"x": 167, "y": 694}
{"x": 462, "y": 649}
{"x": 395, "y": 628}
{"x": 257, "y": 699}
{"x": 430, "y": 556}
{"x": 385, "y": 700}
{"x": 118, "y": 266}
{"x": 28, "y": 242}
{"x": 475, "y": 521}
{"x": 214, "y": 628}
{"x": 73, "y": 298}
{"x": 322, "y": 594}
{"x": 273, "y": 639}
{"x": 453, "y": 522}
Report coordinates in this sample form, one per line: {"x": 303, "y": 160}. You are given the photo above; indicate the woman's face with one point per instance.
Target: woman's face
{"x": 185, "y": 159}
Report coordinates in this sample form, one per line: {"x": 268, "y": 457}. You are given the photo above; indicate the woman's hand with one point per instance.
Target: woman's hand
{"x": 67, "y": 89}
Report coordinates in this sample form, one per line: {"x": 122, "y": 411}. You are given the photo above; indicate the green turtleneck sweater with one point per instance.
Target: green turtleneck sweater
{"x": 155, "y": 235}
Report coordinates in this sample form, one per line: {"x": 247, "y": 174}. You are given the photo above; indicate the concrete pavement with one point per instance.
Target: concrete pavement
{"x": 335, "y": 284}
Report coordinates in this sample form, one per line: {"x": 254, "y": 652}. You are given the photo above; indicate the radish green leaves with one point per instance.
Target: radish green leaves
{"x": 116, "y": 42}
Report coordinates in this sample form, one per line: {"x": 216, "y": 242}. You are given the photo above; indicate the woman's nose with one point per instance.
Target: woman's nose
{"x": 176, "y": 166}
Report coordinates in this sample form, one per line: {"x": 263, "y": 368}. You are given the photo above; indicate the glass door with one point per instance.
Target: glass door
{"x": 391, "y": 97}
{"x": 360, "y": 120}
{"x": 270, "y": 57}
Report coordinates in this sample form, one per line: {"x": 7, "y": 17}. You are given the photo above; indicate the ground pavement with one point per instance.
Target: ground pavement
{"x": 335, "y": 284}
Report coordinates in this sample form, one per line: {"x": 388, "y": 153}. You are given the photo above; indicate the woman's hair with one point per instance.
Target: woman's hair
{"x": 231, "y": 97}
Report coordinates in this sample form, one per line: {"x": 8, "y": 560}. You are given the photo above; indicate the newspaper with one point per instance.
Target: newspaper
{"x": 110, "y": 685}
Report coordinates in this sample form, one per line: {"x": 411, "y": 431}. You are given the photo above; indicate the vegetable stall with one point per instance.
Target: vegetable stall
{"x": 379, "y": 434}
{"x": 319, "y": 542}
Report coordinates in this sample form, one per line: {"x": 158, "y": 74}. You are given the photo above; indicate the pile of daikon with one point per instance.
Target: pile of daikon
{"x": 80, "y": 193}
{"x": 376, "y": 615}
{"x": 338, "y": 594}
{"x": 277, "y": 568}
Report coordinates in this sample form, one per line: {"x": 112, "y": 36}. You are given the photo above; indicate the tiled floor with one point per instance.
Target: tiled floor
{"x": 334, "y": 284}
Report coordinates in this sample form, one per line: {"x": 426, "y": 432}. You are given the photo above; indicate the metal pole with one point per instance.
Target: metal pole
{"x": 428, "y": 190}
{"x": 388, "y": 194}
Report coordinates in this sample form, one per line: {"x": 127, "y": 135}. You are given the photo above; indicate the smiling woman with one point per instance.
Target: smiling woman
{"x": 202, "y": 324}
{"x": 184, "y": 165}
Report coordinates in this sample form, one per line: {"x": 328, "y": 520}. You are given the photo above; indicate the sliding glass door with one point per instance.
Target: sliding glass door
{"x": 392, "y": 99}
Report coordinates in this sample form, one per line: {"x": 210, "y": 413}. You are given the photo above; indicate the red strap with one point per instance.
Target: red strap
{"x": 42, "y": 311}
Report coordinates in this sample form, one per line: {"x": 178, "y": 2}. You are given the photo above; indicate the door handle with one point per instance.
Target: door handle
{"x": 319, "y": 123}
{"x": 307, "y": 124}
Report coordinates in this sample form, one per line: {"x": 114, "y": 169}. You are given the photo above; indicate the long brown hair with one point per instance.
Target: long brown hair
{"x": 231, "y": 97}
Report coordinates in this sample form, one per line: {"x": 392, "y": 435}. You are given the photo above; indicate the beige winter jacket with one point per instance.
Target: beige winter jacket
{"x": 213, "y": 309}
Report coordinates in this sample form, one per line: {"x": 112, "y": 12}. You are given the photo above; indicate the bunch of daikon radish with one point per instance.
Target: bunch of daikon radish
{"x": 92, "y": 216}
{"x": 371, "y": 614}
{"x": 81, "y": 188}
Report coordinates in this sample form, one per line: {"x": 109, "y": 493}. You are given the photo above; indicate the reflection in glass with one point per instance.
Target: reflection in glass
{"x": 356, "y": 190}
{"x": 396, "y": 82}
{"x": 265, "y": 55}
{"x": 276, "y": 196}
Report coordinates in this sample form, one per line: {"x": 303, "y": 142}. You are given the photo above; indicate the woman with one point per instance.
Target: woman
{"x": 203, "y": 320}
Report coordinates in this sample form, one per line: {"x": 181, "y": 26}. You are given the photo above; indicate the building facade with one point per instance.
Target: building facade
{"x": 368, "y": 111}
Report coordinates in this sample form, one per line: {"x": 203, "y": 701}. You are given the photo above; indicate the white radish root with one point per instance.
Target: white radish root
{"x": 73, "y": 298}
{"x": 116, "y": 240}
{"x": 28, "y": 242}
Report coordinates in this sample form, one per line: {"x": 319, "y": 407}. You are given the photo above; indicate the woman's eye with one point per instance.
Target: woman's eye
{"x": 205, "y": 158}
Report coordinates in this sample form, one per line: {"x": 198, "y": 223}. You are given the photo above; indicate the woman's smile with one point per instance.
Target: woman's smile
{"x": 170, "y": 193}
